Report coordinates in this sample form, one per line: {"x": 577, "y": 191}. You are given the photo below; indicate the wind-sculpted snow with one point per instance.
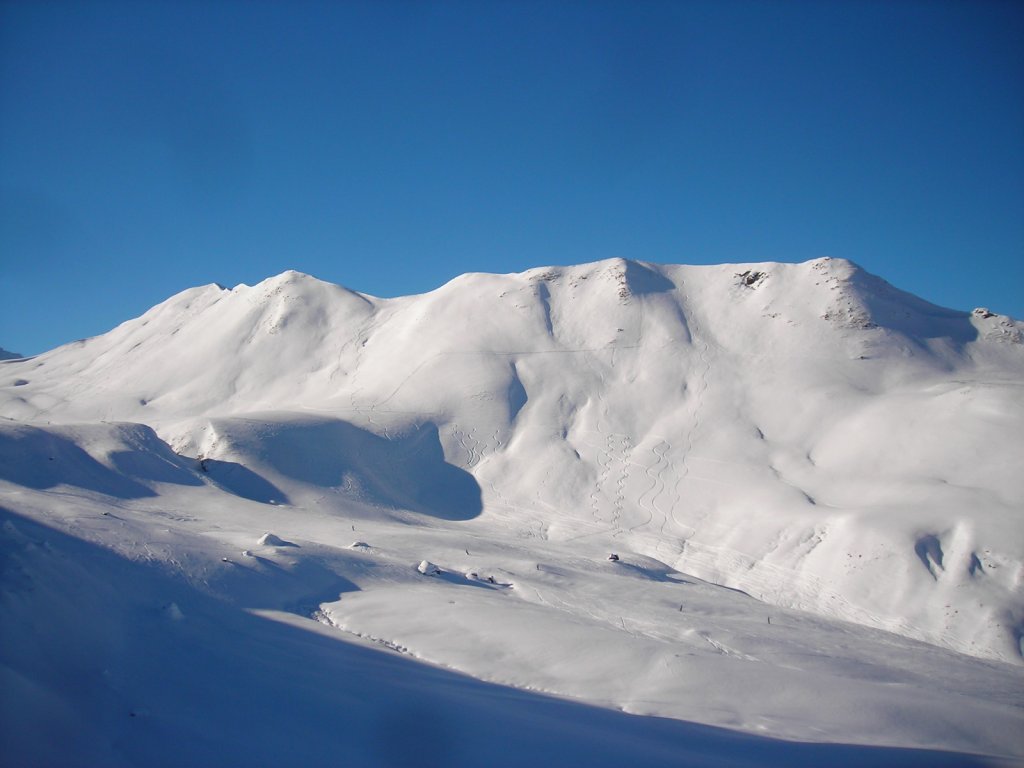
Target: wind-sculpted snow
{"x": 751, "y": 441}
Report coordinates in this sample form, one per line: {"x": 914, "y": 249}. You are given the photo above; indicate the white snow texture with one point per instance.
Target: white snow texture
{"x": 812, "y": 481}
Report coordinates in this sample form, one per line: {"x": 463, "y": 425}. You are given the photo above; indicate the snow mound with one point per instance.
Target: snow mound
{"x": 272, "y": 540}
{"x": 427, "y": 568}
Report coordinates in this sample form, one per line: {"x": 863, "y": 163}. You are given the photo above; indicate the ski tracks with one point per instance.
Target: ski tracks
{"x": 473, "y": 452}
{"x": 474, "y": 449}
{"x": 655, "y": 474}
{"x": 613, "y": 449}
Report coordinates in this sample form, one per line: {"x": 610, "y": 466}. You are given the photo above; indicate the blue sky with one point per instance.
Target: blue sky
{"x": 146, "y": 147}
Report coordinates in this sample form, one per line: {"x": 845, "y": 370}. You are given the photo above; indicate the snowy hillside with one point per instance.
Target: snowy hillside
{"x": 833, "y": 448}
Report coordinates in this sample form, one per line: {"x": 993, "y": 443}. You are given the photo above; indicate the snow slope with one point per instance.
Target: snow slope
{"x": 837, "y": 450}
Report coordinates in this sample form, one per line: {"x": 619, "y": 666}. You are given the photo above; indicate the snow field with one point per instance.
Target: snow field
{"x": 265, "y": 467}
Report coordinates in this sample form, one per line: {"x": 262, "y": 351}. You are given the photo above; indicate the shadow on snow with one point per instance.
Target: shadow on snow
{"x": 407, "y": 471}
{"x": 173, "y": 676}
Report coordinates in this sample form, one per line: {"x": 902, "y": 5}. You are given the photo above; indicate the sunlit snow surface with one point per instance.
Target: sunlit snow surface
{"x": 291, "y": 524}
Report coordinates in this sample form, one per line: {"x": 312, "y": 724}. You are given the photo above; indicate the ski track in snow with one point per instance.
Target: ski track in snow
{"x": 656, "y": 487}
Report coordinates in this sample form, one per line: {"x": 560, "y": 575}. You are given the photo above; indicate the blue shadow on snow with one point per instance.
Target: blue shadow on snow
{"x": 204, "y": 682}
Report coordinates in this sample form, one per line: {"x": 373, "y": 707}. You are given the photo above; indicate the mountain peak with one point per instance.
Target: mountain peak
{"x": 292, "y": 284}
{"x": 288, "y": 277}
{"x": 293, "y": 275}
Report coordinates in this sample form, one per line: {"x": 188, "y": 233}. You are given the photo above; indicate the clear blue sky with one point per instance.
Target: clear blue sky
{"x": 146, "y": 148}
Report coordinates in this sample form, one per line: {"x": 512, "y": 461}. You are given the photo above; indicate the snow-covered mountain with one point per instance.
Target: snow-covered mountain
{"x": 804, "y": 433}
